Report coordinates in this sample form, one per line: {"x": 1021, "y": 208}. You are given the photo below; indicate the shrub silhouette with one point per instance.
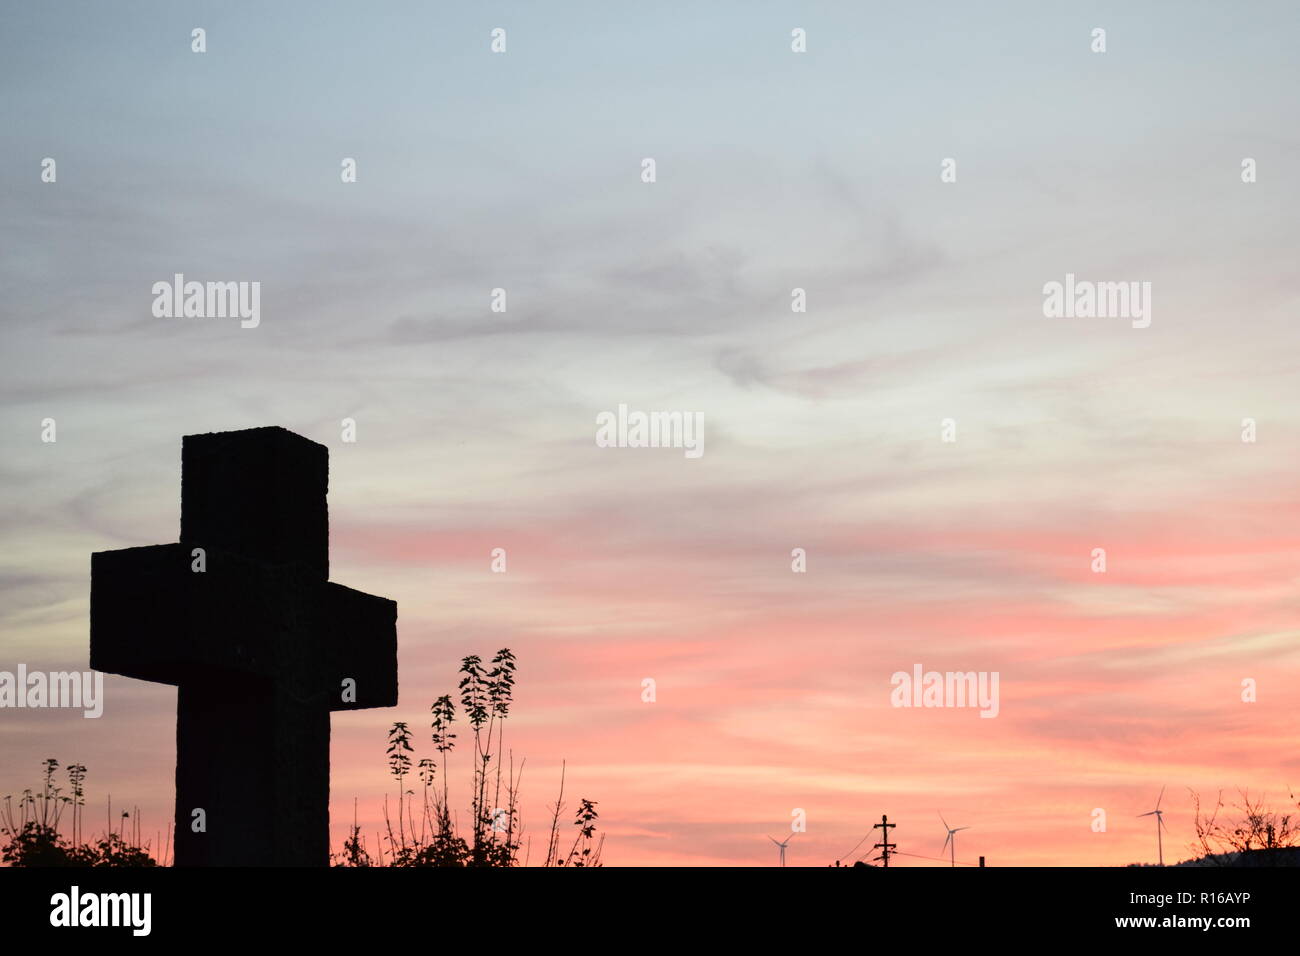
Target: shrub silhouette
{"x": 1248, "y": 828}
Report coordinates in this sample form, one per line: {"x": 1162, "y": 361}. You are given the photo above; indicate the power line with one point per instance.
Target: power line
{"x": 845, "y": 856}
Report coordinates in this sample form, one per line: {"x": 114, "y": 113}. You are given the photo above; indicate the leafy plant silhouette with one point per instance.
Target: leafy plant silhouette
{"x": 494, "y": 836}
{"x": 33, "y": 835}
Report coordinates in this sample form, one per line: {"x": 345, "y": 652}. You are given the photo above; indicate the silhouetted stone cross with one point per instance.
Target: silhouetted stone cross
{"x": 261, "y": 645}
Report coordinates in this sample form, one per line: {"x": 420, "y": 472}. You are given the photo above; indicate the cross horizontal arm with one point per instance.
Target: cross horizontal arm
{"x": 361, "y": 631}
{"x": 153, "y": 617}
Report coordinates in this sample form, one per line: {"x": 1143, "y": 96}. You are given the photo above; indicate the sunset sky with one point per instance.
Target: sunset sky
{"x": 475, "y": 430}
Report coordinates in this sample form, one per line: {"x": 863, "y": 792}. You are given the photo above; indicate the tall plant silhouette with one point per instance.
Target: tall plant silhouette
{"x": 501, "y": 687}
{"x": 494, "y": 835}
{"x": 474, "y": 701}
{"x": 399, "y": 765}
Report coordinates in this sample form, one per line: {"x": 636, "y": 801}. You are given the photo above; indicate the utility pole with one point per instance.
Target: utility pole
{"x": 885, "y": 846}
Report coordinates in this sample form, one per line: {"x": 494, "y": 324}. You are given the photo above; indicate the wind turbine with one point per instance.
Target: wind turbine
{"x": 951, "y": 839}
{"x": 783, "y": 845}
{"x": 1160, "y": 823}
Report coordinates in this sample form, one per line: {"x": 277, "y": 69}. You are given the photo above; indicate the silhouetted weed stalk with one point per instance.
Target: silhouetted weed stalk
{"x": 495, "y": 833}
{"x": 33, "y": 834}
